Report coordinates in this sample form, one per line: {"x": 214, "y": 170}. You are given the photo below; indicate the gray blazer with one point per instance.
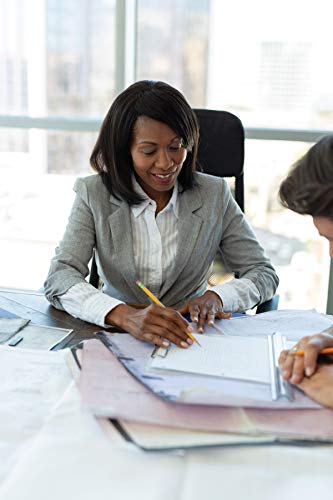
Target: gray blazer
{"x": 209, "y": 219}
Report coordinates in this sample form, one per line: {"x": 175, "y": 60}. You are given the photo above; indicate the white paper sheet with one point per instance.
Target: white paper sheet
{"x": 31, "y": 384}
{"x": 294, "y": 324}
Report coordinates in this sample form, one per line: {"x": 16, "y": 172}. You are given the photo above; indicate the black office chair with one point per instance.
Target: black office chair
{"x": 221, "y": 148}
{"x": 221, "y": 153}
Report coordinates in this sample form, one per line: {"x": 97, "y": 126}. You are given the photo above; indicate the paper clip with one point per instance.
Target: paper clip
{"x": 280, "y": 388}
{"x": 160, "y": 351}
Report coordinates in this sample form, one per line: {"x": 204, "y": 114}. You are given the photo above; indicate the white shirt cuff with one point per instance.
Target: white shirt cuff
{"x": 237, "y": 295}
{"x": 87, "y": 303}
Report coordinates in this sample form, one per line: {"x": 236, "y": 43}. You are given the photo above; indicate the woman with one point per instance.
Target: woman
{"x": 150, "y": 216}
{"x": 308, "y": 189}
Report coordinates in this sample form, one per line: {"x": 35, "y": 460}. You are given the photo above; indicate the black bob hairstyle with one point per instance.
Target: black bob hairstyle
{"x": 308, "y": 188}
{"x": 111, "y": 156}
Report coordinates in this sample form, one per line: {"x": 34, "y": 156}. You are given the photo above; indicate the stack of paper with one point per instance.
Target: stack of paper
{"x": 108, "y": 390}
{"x": 216, "y": 396}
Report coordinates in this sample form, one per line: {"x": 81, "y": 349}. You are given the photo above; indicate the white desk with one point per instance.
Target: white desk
{"x": 70, "y": 458}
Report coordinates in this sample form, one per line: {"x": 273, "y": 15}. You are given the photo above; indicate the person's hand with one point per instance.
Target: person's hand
{"x": 160, "y": 325}
{"x": 294, "y": 367}
{"x": 319, "y": 386}
{"x": 205, "y": 309}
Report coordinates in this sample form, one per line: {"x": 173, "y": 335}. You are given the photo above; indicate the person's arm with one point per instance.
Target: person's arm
{"x": 242, "y": 255}
{"x": 69, "y": 266}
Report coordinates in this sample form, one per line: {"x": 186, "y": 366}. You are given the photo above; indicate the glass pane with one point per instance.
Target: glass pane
{"x": 57, "y": 57}
{"x": 36, "y": 196}
{"x": 80, "y": 46}
{"x": 299, "y": 254}
{"x": 269, "y": 63}
{"x": 172, "y": 44}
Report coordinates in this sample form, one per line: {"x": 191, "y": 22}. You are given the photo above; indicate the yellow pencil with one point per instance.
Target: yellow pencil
{"x": 326, "y": 350}
{"x": 155, "y": 299}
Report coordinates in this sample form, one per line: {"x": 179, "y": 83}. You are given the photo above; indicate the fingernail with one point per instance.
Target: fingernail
{"x": 190, "y": 328}
{"x": 211, "y": 323}
{"x": 165, "y": 343}
{"x": 184, "y": 344}
{"x": 294, "y": 379}
{"x": 285, "y": 374}
{"x": 308, "y": 371}
{"x": 195, "y": 319}
{"x": 200, "y": 330}
{"x": 189, "y": 341}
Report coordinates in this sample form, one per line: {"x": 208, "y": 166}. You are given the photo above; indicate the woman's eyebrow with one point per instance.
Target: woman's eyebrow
{"x": 147, "y": 142}
{"x": 155, "y": 143}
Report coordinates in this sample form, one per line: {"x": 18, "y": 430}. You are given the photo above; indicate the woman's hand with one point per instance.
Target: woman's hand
{"x": 319, "y": 386}
{"x": 160, "y": 325}
{"x": 294, "y": 367}
{"x": 204, "y": 309}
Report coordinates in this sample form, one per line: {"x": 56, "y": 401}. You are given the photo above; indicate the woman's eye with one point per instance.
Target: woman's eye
{"x": 148, "y": 153}
{"x": 176, "y": 148}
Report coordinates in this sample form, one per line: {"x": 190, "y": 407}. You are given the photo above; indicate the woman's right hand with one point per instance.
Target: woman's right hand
{"x": 160, "y": 325}
{"x": 293, "y": 367}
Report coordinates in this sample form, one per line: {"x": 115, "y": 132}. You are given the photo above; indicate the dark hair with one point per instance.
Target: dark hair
{"x": 111, "y": 155}
{"x": 308, "y": 188}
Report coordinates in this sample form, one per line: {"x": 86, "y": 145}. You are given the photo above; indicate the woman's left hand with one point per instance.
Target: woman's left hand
{"x": 204, "y": 309}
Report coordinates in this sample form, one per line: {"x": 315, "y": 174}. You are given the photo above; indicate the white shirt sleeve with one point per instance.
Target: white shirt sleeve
{"x": 87, "y": 303}
{"x": 237, "y": 295}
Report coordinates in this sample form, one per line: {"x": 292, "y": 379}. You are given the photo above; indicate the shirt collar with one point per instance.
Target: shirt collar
{"x": 139, "y": 208}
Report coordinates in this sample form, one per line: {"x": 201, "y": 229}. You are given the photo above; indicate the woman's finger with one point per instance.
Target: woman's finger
{"x": 194, "y": 311}
{"x": 164, "y": 327}
{"x": 298, "y": 370}
{"x": 211, "y": 317}
{"x": 283, "y": 356}
{"x": 222, "y": 315}
{"x": 287, "y": 364}
{"x": 156, "y": 339}
{"x": 153, "y": 337}
{"x": 202, "y": 318}
{"x": 312, "y": 348}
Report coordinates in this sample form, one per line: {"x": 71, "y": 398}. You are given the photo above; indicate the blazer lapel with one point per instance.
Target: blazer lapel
{"x": 120, "y": 225}
{"x": 190, "y": 223}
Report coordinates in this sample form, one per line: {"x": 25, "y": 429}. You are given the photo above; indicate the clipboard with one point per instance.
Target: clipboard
{"x": 276, "y": 342}
{"x": 196, "y": 389}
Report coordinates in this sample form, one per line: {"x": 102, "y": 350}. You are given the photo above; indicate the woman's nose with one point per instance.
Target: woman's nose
{"x": 163, "y": 160}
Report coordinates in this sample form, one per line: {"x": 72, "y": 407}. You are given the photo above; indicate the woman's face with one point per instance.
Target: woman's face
{"x": 158, "y": 156}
